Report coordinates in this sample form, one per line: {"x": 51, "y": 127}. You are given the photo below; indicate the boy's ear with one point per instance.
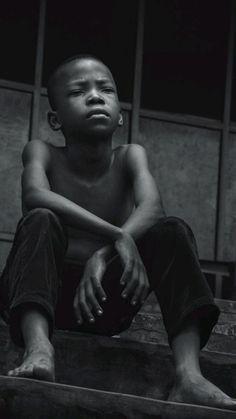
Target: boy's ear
{"x": 53, "y": 121}
{"x": 120, "y": 122}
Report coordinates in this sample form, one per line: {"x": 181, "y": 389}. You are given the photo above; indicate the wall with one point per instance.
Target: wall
{"x": 230, "y": 231}
{"x": 184, "y": 161}
{"x": 14, "y": 132}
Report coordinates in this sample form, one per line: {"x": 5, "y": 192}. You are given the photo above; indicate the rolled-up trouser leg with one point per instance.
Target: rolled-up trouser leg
{"x": 34, "y": 266}
{"x": 170, "y": 255}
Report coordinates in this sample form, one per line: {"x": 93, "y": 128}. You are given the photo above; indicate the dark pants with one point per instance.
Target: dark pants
{"x": 36, "y": 274}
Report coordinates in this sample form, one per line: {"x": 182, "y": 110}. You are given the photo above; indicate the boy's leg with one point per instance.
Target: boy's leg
{"x": 38, "y": 360}
{"x": 170, "y": 255}
{"x": 30, "y": 282}
{"x": 190, "y": 385}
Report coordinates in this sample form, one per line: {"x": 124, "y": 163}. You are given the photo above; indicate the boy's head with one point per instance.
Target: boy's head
{"x": 83, "y": 97}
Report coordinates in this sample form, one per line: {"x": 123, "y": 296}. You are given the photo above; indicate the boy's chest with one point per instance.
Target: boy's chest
{"x": 104, "y": 196}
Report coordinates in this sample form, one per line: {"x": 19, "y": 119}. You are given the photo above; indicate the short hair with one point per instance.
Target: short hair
{"x": 62, "y": 64}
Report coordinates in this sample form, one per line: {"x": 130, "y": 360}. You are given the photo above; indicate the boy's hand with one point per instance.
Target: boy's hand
{"x": 134, "y": 277}
{"x": 90, "y": 290}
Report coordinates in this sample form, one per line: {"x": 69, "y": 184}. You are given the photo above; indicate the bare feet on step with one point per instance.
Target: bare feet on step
{"x": 38, "y": 363}
{"x": 199, "y": 390}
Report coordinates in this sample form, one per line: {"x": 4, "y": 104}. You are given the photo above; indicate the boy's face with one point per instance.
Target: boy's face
{"x": 86, "y": 98}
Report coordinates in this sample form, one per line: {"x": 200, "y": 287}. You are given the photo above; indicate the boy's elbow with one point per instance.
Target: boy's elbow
{"x": 32, "y": 199}
{"x": 157, "y": 209}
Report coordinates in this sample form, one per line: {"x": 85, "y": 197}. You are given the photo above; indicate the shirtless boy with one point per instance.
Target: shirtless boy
{"x": 94, "y": 240}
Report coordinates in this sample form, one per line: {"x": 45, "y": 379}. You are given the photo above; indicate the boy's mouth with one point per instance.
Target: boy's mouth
{"x": 98, "y": 112}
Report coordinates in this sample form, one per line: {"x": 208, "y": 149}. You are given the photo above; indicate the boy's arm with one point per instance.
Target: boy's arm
{"x": 147, "y": 197}
{"x": 36, "y": 193}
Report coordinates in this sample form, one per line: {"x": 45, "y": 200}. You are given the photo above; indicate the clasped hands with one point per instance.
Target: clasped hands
{"x": 90, "y": 292}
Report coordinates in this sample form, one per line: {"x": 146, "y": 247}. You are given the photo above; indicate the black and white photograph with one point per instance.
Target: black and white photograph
{"x": 118, "y": 209}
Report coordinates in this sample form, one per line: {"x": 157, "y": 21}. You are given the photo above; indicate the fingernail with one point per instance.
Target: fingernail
{"x": 91, "y": 319}
{"x": 99, "y": 312}
{"x": 124, "y": 295}
{"x": 134, "y": 302}
{"x": 103, "y": 298}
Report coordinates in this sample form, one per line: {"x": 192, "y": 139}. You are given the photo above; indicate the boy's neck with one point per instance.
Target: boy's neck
{"x": 90, "y": 159}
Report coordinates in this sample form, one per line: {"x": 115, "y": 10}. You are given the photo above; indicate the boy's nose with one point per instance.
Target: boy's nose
{"x": 95, "y": 97}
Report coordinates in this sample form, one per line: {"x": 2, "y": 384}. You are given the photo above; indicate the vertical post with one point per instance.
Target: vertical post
{"x": 134, "y": 128}
{"x": 221, "y": 213}
{"x": 35, "y": 104}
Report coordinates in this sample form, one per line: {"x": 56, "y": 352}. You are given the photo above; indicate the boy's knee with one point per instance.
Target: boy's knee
{"x": 179, "y": 229}
{"x": 177, "y": 224}
{"x": 169, "y": 228}
{"x": 173, "y": 228}
{"x": 43, "y": 217}
{"x": 40, "y": 214}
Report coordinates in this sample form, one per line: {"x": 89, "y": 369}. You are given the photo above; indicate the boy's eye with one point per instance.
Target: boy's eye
{"x": 109, "y": 90}
{"x": 75, "y": 92}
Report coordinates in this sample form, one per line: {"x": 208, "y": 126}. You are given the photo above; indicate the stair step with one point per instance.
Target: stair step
{"x": 23, "y": 399}
{"x": 120, "y": 365}
{"x": 142, "y": 369}
{"x": 121, "y": 377}
{"x": 148, "y": 326}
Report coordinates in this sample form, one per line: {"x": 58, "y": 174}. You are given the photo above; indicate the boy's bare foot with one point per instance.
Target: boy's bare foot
{"x": 199, "y": 390}
{"x": 38, "y": 363}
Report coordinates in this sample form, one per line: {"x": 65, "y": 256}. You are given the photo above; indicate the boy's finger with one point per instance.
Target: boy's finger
{"x": 90, "y": 296}
{"x": 145, "y": 291}
{"x": 137, "y": 297}
{"x": 98, "y": 289}
{"x": 128, "y": 271}
{"x": 76, "y": 309}
{"x": 141, "y": 291}
{"x": 84, "y": 307}
{"x": 79, "y": 317}
{"x": 131, "y": 284}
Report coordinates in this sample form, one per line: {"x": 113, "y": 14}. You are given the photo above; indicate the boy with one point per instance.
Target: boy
{"x": 98, "y": 210}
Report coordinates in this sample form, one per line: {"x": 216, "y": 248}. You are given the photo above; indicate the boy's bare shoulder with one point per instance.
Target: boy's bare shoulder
{"x": 130, "y": 149}
{"x": 38, "y": 151}
{"x": 133, "y": 154}
{"x": 35, "y": 149}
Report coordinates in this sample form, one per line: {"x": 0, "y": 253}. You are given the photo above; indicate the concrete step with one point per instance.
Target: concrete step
{"x": 32, "y": 399}
{"x": 120, "y": 365}
{"x": 121, "y": 377}
{"x": 148, "y": 326}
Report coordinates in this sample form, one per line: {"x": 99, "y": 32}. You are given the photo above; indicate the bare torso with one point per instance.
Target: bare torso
{"x": 109, "y": 197}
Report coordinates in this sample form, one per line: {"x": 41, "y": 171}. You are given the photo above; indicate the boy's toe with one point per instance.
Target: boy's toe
{"x": 23, "y": 371}
{"x": 26, "y": 371}
{"x": 10, "y": 373}
{"x": 13, "y": 373}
